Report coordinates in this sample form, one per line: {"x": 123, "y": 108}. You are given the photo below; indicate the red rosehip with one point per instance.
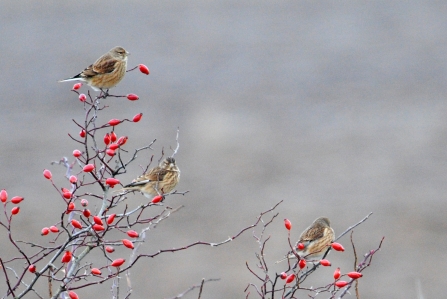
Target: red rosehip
{"x": 66, "y": 257}
{"x": 288, "y": 224}
{"x": 114, "y": 146}
{"x": 283, "y": 275}
{"x": 337, "y": 247}
{"x": 112, "y": 182}
{"x": 341, "y": 283}
{"x": 16, "y": 199}
{"x": 70, "y": 208}
{"x": 118, "y": 262}
{"x": 45, "y": 231}
{"x": 127, "y": 243}
{"x": 325, "y": 263}
{"x": 337, "y": 273}
{"x": 76, "y": 224}
{"x": 157, "y": 198}
{"x": 300, "y": 246}
{"x": 302, "y": 263}
{"x": 82, "y": 97}
{"x": 73, "y": 295}
{"x": 122, "y": 140}
{"x": 77, "y": 153}
{"x": 76, "y": 86}
{"x": 137, "y": 117}
{"x": 143, "y": 69}
{"x": 110, "y": 152}
{"x": 84, "y": 202}
{"x": 110, "y": 219}
{"x": 114, "y": 122}
{"x": 3, "y": 195}
{"x": 86, "y": 213}
{"x": 32, "y": 268}
{"x": 66, "y": 194}
{"x": 290, "y": 278}
{"x": 110, "y": 249}
{"x": 82, "y": 133}
{"x": 355, "y": 275}
{"x": 98, "y": 228}
{"x": 73, "y": 179}
{"x": 107, "y": 139}
{"x": 132, "y": 97}
{"x": 96, "y": 271}
{"x": 47, "y": 174}
{"x": 15, "y": 210}
{"x": 113, "y": 137}
{"x": 132, "y": 234}
{"x": 97, "y": 220}
{"x": 54, "y": 229}
{"x": 88, "y": 168}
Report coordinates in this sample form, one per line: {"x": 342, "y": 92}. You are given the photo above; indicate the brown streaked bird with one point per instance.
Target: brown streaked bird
{"x": 317, "y": 240}
{"x": 158, "y": 181}
{"x": 106, "y": 72}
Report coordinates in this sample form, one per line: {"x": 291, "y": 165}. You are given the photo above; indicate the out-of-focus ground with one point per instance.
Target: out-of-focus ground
{"x": 337, "y": 108}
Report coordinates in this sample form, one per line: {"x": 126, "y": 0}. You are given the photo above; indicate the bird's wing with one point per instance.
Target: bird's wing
{"x": 311, "y": 234}
{"x": 104, "y": 66}
{"x": 154, "y": 175}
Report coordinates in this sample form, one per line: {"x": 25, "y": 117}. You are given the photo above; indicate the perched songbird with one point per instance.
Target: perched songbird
{"x": 315, "y": 241}
{"x": 106, "y": 72}
{"x": 158, "y": 181}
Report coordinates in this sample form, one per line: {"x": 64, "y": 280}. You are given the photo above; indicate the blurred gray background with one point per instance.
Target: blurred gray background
{"x": 336, "y": 107}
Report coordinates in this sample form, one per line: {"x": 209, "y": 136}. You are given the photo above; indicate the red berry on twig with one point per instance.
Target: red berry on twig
{"x": 3, "y": 195}
{"x": 66, "y": 257}
{"x": 143, "y": 69}
{"x": 114, "y": 122}
{"x": 157, "y": 198}
{"x": 118, "y": 262}
{"x": 47, "y": 174}
{"x": 132, "y": 234}
{"x": 16, "y": 199}
{"x": 137, "y": 117}
{"x": 325, "y": 263}
{"x": 341, "y": 283}
{"x": 88, "y": 168}
{"x": 132, "y": 97}
{"x": 355, "y": 275}
{"x": 127, "y": 243}
{"x": 76, "y": 86}
{"x": 337, "y": 247}
{"x": 287, "y": 224}
{"x": 290, "y": 278}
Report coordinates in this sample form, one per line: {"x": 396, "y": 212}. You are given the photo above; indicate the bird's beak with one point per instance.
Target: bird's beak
{"x": 127, "y": 53}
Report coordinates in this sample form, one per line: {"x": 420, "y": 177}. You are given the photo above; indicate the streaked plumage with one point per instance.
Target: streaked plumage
{"x": 106, "y": 72}
{"x": 158, "y": 180}
{"x": 317, "y": 239}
